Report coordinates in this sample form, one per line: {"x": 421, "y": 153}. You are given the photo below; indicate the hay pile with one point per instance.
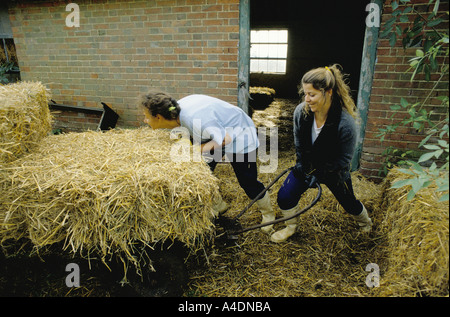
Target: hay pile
{"x": 102, "y": 192}
{"x": 261, "y": 97}
{"x": 418, "y": 241}
{"x": 24, "y": 118}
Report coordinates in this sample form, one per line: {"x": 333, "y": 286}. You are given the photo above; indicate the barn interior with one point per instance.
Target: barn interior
{"x": 320, "y": 33}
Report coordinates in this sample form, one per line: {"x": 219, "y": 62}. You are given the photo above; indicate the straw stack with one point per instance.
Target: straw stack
{"x": 102, "y": 192}
{"x": 418, "y": 238}
{"x": 24, "y": 118}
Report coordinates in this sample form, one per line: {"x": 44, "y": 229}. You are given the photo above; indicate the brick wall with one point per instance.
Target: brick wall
{"x": 72, "y": 121}
{"x": 124, "y": 48}
{"x": 391, "y": 82}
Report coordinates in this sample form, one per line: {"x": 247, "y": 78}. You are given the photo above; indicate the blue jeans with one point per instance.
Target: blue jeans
{"x": 293, "y": 188}
{"x": 245, "y": 169}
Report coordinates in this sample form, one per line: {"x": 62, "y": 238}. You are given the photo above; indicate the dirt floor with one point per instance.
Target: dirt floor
{"x": 326, "y": 257}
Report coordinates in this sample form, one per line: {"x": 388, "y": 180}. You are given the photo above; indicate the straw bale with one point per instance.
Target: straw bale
{"x": 102, "y": 192}
{"x": 418, "y": 238}
{"x": 262, "y": 90}
{"x": 24, "y": 118}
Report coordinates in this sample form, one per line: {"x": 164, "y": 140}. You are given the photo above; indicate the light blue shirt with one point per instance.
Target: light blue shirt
{"x": 208, "y": 118}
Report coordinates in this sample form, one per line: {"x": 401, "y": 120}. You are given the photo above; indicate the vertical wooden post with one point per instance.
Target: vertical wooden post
{"x": 244, "y": 54}
{"x": 365, "y": 83}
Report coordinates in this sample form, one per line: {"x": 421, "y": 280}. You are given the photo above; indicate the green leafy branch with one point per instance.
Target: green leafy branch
{"x": 422, "y": 31}
{"x": 4, "y": 69}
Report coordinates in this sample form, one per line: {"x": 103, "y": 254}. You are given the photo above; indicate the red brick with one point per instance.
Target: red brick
{"x": 391, "y": 83}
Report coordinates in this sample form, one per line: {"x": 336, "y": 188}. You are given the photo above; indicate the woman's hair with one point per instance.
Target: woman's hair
{"x": 160, "y": 103}
{"x": 330, "y": 77}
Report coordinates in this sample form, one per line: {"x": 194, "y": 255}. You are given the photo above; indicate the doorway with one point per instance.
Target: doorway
{"x": 319, "y": 33}
{"x": 312, "y": 34}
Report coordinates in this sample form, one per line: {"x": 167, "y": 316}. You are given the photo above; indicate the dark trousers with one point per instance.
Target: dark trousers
{"x": 293, "y": 188}
{"x": 245, "y": 169}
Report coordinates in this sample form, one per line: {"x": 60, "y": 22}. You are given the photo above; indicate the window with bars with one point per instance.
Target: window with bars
{"x": 268, "y": 51}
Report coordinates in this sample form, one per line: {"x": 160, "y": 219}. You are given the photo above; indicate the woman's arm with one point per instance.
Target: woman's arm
{"x": 297, "y": 117}
{"x": 347, "y": 142}
{"x": 213, "y": 145}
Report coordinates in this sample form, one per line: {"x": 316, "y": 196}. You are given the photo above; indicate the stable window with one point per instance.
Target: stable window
{"x": 268, "y": 51}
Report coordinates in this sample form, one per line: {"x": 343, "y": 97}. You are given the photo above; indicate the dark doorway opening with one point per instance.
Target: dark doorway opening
{"x": 320, "y": 33}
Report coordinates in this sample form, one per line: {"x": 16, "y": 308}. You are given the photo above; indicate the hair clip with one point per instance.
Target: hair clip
{"x": 326, "y": 67}
{"x": 172, "y": 108}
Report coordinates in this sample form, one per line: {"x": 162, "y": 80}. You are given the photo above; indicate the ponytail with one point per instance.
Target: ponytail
{"x": 331, "y": 77}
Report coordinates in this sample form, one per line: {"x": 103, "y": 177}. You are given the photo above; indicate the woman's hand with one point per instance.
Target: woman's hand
{"x": 212, "y": 145}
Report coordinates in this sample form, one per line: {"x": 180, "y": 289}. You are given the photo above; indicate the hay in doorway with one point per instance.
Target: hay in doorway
{"x": 261, "y": 97}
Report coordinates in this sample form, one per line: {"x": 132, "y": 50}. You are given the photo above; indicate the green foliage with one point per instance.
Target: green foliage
{"x": 4, "y": 69}
{"x": 397, "y": 157}
{"x": 432, "y": 44}
{"x": 421, "y": 32}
